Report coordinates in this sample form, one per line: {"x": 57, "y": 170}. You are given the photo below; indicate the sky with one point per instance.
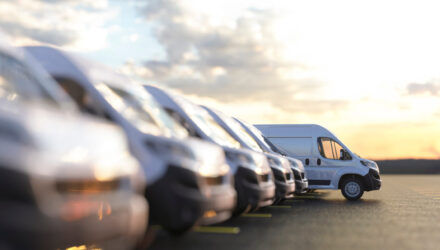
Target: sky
{"x": 366, "y": 70}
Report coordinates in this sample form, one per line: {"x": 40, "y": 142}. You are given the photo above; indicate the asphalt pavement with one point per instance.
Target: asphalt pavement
{"x": 404, "y": 214}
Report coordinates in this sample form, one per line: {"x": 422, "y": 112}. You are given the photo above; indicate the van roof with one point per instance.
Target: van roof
{"x": 294, "y": 130}
{"x": 60, "y": 63}
{"x": 164, "y": 97}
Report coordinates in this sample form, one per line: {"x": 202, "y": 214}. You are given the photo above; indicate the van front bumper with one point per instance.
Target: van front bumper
{"x": 220, "y": 203}
{"x": 372, "y": 180}
{"x": 301, "y": 183}
{"x": 301, "y": 186}
{"x": 176, "y": 200}
{"x": 27, "y": 227}
{"x": 252, "y": 191}
{"x": 267, "y": 194}
{"x": 285, "y": 188}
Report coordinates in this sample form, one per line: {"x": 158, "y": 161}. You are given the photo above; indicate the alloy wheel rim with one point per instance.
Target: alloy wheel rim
{"x": 352, "y": 189}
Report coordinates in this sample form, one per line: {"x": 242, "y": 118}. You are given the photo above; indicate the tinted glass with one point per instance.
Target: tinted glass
{"x": 330, "y": 149}
{"x": 326, "y": 148}
{"x": 207, "y": 124}
{"x": 241, "y": 132}
{"x": 17, "y": 83}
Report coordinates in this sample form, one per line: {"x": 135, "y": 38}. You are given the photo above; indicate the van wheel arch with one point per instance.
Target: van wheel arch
{"x": 349, "y": 176}
{"x": 352, "y": 186}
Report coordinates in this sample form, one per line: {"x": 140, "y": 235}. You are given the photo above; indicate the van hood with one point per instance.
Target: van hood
{"x": 279, "y": 162}
{"x": 248, "y": 159}
{"x": 202, "y": 157}
{"x": 66, "y": 145}
{"x": 297, "y": 163}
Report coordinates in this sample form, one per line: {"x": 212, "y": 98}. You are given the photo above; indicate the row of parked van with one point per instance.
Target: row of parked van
{"x": 91, "y": 157}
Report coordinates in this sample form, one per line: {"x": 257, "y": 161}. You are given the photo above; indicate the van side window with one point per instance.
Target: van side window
{"x": 326, "y": 148}
{"x": 18, "y": 83}
{"x": 295, "y": 146}
{"x": 330, "y": 149}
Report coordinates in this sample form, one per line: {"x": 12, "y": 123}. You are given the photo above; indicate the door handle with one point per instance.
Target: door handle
{"x": 319, "y": 162}
{"x": 307, "y": 161}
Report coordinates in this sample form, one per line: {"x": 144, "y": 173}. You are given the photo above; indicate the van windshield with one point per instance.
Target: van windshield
{"x": 138, "y": 107}
{"x": 26, "y": 83}
{"x": 259, "y": 137}
{"x": 207, "y": 124}
{"x": 264, "y": 141}
{"x": 241, "y": 132}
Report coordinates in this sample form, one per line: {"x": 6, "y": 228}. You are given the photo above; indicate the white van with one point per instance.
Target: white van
{"x": 188, "y": 180}
{"x": 61, "y": 183}
{"x": 328, "y": 162}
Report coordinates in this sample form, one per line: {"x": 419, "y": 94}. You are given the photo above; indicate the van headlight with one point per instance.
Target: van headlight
{"x": 369, "y": 164}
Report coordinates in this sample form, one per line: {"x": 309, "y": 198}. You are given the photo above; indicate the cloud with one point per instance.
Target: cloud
{"x": 423, "y": 88}
{"x": 229, "y": 59}
{"x": 71, "y": 24}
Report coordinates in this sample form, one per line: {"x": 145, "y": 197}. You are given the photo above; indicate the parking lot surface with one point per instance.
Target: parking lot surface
{"x": 404, "y": 214}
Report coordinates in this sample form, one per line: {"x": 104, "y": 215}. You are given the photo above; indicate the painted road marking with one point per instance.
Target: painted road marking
{"x": 288, "y": 201}
{"x": 155, "y": 227}
{"x": 257, "y": 215}
{"x": 217, "y": 230}
{"x": 281, "y": 206}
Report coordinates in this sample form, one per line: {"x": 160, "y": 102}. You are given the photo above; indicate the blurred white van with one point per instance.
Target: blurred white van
{"x": 188, "y": 180}
{"x": 65, "y": 179}
{"x": 252, "y": 175}
{"x": 301, "y": 182}
{"x": 329, "y": 164}
{"x": 283, "y": 175}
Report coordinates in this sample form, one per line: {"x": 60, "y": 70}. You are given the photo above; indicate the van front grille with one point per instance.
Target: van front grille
{"x": 87, "y": 186}
{"x": 264, "y": 177}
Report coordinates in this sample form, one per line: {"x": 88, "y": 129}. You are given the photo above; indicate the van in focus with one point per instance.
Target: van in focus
{"x": 329, "y": 164}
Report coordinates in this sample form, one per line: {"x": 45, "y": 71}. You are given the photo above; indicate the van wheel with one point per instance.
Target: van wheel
{"x": 352, "y": 188}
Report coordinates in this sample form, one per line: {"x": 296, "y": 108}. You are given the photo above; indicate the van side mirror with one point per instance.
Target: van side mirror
{"x": 342, "y": 154}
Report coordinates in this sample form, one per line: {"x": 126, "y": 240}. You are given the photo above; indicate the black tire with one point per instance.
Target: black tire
{"x": 352, "y": 188}
{"x": 277, "y": 201}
